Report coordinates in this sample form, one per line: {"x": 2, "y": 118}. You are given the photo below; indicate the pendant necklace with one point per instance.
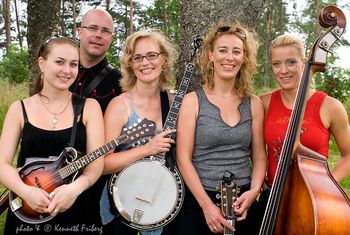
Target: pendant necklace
{"x": 55, "y": 115}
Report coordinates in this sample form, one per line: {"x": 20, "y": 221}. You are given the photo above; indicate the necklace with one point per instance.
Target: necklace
{"x": 55, "y": 115}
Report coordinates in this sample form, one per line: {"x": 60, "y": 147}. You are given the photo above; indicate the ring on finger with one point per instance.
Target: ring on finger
{"x": 56, "y": 211}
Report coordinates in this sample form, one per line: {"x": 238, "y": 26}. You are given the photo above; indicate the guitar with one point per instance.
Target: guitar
{"x": 229, "y": 193}
{"x": 49, "y": 174}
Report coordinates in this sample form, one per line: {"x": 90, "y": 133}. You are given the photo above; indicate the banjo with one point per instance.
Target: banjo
{"x": 148, "y": 194}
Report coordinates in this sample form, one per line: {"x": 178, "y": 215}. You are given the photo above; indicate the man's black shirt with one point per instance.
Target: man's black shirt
{"x": 106, "y": 90}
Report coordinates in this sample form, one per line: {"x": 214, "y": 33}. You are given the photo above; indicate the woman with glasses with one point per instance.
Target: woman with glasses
{"x": 147, "y": 64}
{"x": 42, "y": 124}
{"x": 219, "y": 130}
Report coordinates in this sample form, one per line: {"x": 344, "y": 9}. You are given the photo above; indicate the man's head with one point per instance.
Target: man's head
{"x": 95, "y": 34}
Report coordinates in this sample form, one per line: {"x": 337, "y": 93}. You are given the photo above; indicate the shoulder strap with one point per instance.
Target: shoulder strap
{"x": 99, "y": 77}
{"x": 25, "y": 117}
{"x": 164, "y": 103}
{"x": 78, "y": 104}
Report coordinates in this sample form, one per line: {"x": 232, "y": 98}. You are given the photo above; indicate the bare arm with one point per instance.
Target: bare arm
{"x": 115, "y": 118}
{"x": 340, "y": 129}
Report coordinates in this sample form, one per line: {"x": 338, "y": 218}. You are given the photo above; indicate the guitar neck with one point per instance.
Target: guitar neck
{"x": 87, "y": 159}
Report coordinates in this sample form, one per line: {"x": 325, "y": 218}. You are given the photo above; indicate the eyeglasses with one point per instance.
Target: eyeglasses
{"x": 149, "y": 56}
{"x": 95, "y": 29}
{"x": 239, "y": 32}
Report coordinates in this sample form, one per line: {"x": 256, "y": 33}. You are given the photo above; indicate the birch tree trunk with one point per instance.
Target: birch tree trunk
{"x": 199, "y": 15}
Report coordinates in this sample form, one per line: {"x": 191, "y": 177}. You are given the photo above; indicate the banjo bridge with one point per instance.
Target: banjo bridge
{"x": 143, "y": 199}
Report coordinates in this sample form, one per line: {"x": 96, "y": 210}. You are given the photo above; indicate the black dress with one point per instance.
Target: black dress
{"x": 42, "y": 143}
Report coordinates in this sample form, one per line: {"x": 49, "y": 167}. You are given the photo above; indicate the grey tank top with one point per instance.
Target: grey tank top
{"x": 219, "y": 147}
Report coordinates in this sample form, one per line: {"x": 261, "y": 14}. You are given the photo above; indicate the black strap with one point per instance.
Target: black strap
{"x": 164, "y": 103}
{"x": 78, "y": 104}
{"x": 97, "y": 79}
{"x": 169, "y": 156}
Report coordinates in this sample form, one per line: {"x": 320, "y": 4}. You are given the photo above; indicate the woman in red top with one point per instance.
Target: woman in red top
{"x": 324, "y": 115}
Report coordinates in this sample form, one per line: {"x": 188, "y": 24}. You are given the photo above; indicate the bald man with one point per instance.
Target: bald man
{"x": 96, "y": 34}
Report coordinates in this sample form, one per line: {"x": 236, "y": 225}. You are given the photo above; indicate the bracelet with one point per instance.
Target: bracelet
{"x": 87, "y": 178}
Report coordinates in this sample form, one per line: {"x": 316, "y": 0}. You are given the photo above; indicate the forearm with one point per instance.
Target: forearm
{"x": 10, "y": 178}
{"x": 342, "y": 169}
{"x": 258, "y": 174}
{"x": 115, "y": 162}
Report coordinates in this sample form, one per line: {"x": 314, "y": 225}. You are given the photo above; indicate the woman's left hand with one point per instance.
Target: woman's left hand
{"x": 242, "y": 204}
{"x": 62, "y": 198}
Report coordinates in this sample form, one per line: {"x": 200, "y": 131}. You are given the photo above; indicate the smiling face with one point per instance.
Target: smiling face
{"x": 60, "y": 68}
{"x": 287, "y": 66}
{"x": 227, "y": 56}
{"x": 93, "y": 34}
{"x": 147, "y": 70}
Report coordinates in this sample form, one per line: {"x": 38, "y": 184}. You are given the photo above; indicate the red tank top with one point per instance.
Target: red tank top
{"x": 314, "y": 136}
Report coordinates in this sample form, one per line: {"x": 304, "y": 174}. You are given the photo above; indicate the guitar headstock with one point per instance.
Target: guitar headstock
{"x": 145, "y": 128}
{"x": 229, "y": 193}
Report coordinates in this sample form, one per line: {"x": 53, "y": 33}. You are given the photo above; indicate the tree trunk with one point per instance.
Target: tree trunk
{"x": 74, "y": 19}
{"x": 19, "y": 36}
{"x": 199, "y": 15}
{"x": 7, "y": 22}
{"x": 269, "y": 23}
{"x": 43, "y": 19}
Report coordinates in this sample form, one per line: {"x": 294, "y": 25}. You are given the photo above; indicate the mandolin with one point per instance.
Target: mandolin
{"x": 51, "y": 173}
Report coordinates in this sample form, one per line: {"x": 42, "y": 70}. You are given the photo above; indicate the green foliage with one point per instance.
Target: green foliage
{"x": 15, "y": 65}
{"x": 335, "y": 82}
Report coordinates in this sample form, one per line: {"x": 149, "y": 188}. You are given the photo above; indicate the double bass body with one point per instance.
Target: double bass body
{"x": 312, "y": 201}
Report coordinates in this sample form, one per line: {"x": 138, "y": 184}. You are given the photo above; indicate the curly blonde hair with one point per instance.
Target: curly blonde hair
{"x": 168, "y": 49}
{"x": 243, "y": 81}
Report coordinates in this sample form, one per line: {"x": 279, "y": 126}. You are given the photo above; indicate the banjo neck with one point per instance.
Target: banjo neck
{"x": 171, "y": 119}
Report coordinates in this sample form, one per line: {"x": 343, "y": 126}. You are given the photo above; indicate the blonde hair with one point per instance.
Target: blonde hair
{"x": 243, "y": 82}
{"x": 167, "y": 48}
{"x": 288, "y": 40}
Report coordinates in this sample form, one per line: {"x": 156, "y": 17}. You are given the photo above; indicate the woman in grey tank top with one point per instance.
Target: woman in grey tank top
{"x": 220, "y": 129}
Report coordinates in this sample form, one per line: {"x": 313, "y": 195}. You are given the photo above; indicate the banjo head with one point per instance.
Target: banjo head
{"x": 147, "y": 193}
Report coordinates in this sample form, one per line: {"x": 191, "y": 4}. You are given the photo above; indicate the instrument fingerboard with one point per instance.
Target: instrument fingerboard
{"x": 143, "y": 129}
{"x": 170, "y": 122}
{"x": 171, "y": 119}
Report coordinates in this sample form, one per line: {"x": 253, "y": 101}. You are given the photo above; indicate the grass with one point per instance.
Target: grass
{"x": 10, "y": 93}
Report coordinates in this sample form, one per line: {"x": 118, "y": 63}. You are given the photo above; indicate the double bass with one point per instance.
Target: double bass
{"x": 305, "y": 198}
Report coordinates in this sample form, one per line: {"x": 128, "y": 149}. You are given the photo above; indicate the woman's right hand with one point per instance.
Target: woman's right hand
{"x": 159, "y": 143}
{"x": 37, "y": 198}
{"x": 215, "y": 219}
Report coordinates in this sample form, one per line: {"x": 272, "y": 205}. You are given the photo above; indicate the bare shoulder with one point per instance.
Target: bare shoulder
{"x": 257, "y": 104}
{"x": 265, "y": 99}
{"x": 332, "y": 107}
